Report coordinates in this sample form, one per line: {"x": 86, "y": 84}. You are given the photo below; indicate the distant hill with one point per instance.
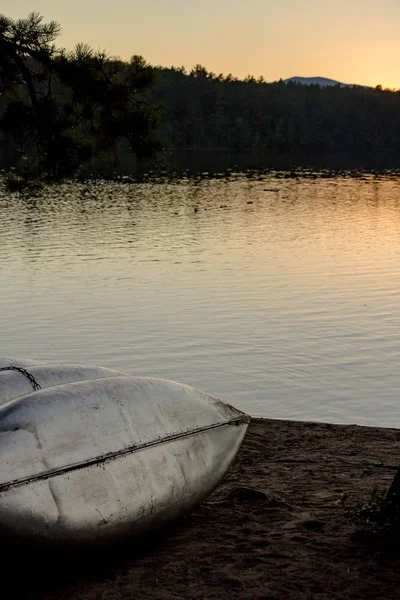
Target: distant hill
{"x": 322, "y": 81}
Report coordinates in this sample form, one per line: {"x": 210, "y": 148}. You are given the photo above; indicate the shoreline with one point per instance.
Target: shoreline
{"x": 334, "y": 423}
{"x": 279, "y": 526}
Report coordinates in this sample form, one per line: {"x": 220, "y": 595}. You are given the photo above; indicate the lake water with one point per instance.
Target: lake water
{"x": 278, "y": 295}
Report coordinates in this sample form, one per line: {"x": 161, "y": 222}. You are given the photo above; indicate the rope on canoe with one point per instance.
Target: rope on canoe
{"x": 31, "y": 378}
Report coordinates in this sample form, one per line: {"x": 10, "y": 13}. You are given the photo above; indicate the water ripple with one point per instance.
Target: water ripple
{"x": 278, "y": 295}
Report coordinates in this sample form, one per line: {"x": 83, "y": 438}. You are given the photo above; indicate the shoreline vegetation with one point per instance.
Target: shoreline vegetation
{"x": 281, "y": 525}
{"x": 62, "y": 111}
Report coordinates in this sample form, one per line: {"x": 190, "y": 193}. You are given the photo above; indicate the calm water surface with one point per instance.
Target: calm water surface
{"x": 280, "y": 296}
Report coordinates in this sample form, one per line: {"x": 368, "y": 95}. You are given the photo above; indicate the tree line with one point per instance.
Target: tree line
{"x": 61, "y": 110}
{"x": 202, "y": 110}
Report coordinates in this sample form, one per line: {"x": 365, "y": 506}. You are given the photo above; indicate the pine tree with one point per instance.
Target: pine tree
{"x": 63, "y": 109}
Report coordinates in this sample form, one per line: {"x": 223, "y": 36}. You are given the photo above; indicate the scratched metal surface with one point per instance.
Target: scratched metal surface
{"x": 14, "y": 384}
{"x": 95, "y": 460}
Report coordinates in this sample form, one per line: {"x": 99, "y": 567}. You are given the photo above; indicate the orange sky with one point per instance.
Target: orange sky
{"x": 353, "y": 41}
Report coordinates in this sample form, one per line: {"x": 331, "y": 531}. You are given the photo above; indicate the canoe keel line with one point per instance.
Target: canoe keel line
{"x": 111, "y": 455}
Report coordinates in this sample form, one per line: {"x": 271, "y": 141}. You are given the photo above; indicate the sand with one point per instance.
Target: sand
{"x": 279, "y": 526}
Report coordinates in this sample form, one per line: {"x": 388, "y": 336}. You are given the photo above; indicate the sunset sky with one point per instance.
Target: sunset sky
{"x": 353, "y": 41}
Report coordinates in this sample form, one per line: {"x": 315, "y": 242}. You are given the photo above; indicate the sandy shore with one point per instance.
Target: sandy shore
{"x": 278, "y": 527}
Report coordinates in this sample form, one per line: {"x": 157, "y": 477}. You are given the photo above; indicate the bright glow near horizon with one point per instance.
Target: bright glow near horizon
{"x": 355, "y": 42}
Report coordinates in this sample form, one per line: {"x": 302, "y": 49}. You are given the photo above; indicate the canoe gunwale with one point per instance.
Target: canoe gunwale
{"x": 243, "y": 418}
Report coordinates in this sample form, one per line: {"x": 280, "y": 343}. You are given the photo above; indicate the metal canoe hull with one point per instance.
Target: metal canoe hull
{"x": 97, "y": 460}
{"x": 126, "y": 495}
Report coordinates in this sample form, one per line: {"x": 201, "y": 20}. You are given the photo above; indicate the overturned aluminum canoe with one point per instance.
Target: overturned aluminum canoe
{"x": 19, "y": 377}
{"x": 93, "y": 461}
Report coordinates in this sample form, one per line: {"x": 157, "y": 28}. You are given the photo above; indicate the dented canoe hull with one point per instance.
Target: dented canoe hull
{"x": 95, "y": 461}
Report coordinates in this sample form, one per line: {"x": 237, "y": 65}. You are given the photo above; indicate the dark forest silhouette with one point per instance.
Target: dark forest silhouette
{"x": 202, "y": 110}
{"x": 60, "y": 111}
